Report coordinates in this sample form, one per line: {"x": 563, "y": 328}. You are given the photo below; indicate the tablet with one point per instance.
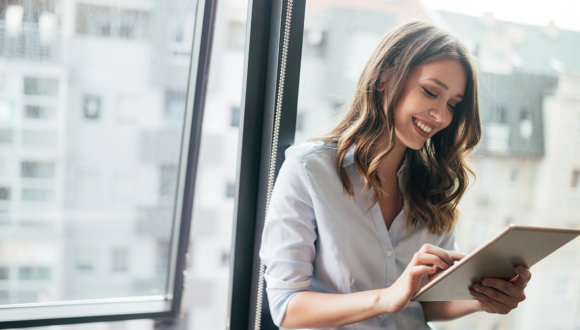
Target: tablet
{"x": 515, "y": 245}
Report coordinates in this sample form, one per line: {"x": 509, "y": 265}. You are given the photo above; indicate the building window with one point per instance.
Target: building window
{"x": 526, "y": 126}
{"x": 6, "y": 135}
{"x": 92, "y": 107}
{"x": 112, "y": 22}
{"x": 120, "y": 260}
{"x": 4, "y": 273}
{"x": 40, "y": 86}
{"x": 37, "y": 170}
{"x": 230, "y": 190}
{"x": 4, "y": 194}
{"x": 38, "y": 138}
{"x": 162, "y": 258}
{"x": 37, "y": 112}
{"x": 168, "y": 181}
{"x": 5, "y": 217}
{"x": 300, "y": 121}
{"x": 237, "y": 39}
{"x": 174, "y": 105}
{"x": 225, "y": 259}
{"x": 235, "y": 116}
{"x": 575, "y": 178}
{"x": 37, "y": 195}
{"x": 499, "y": 115}
{"x": 515, "y": 171}
{"x": 34, "y": 273}
{"x": 6, "y": 108}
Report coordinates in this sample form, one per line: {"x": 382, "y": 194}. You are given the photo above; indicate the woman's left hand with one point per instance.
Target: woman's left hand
{"x": 499, "y": 296}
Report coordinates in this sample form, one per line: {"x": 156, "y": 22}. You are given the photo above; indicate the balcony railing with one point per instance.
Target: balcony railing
{"x": 29, "y": 42}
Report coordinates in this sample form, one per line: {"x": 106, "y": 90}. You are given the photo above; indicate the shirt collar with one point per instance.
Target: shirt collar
{"x": 349, "y": 160}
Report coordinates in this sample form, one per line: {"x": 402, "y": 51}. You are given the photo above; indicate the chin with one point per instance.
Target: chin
{"x": 416, "y": 146}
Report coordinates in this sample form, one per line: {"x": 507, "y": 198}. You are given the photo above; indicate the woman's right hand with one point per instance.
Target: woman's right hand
{"x": 420, "y": 271}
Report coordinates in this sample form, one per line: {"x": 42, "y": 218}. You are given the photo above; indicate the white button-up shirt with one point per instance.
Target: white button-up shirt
{"x": 317, "y": 238}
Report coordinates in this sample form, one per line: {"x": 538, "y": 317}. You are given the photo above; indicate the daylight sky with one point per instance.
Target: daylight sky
{"x": 564, "y": 13}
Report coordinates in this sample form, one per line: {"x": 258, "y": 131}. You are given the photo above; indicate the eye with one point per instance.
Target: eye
{"x": 451, "y": 107}
{"x": 429, "y": 93}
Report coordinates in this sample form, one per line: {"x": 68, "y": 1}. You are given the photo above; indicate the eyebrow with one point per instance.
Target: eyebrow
{"x": 438, "y": 82}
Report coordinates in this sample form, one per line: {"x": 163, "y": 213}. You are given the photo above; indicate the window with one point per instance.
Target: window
{"x": 37, "y": 195}
{"x": 230, "y": 190}
{"x": 40, "y": 86}
{"x": 4, "y": 273}
{"x": 92, "y": 107}
{"x": 300, "y": 121}
{"x": 112, "y": 22}
{"x": 515, "y": 172}
{"x": 39, "y": 170}
{"x": 6, "y": 136}
{"x": 6, "y": 110}
{"x": 526, "y": 125}
{"x": 235, "y": 115}
{"x": 120, "y": 260}
{"x": 168, "y": 181}
{"x": 38, "y": 112}
{"x": 39, "y": 138}
{"x": 34, "y": 273}
{"x": 174, "y": 104}
{"x": 98, "y": 168}
{"x": 237, "y": 35}
{"x": 5, "y": 193}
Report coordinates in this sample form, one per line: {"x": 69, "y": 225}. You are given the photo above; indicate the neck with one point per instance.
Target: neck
{"x": 390, "y": 165}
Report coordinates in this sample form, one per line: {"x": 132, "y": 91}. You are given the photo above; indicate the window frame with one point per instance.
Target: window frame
{"x": 266, "y": 25}
{"x": 160, "y": 306}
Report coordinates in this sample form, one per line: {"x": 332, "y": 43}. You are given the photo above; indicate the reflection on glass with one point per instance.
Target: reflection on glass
{"x": 92, "y": 104}
{"x": 528, "y": 162}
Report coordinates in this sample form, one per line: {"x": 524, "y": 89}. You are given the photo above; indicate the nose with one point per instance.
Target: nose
{"x": 439, "y": 113}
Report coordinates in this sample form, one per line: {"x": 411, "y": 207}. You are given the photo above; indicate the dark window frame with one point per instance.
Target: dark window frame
{"x": 266, "y": 25}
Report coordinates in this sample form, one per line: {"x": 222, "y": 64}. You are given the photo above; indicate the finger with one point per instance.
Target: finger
{"x": 493, "y": 306}
{"x": 432, "y": 249}
{"x": 501, "y": 285}
{"x": 429, "y": 259}
{"x": 496, "y": 295}
{"x": 422, "y": 269}
{"x": 524, "y": 277}
{"x": 456, "y": 255}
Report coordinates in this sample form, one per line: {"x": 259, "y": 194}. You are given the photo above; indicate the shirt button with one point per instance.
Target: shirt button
{"x": 389, "y": 253}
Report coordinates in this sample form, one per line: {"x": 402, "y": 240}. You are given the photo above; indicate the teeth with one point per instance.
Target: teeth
{"x": 425, "y": 128}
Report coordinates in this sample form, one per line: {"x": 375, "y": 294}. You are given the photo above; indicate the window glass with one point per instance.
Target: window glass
{"x": 206, "y": 294}
{"x": 527, "y": 163}
{"x": 90, "y": 144}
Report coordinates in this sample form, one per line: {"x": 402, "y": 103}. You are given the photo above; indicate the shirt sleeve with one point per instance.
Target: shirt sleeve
{"x": 448, "y": 242}
{"x": 288, "y": 238}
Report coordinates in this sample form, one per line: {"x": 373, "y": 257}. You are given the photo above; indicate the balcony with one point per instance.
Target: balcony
{"x": 29, "y": 42}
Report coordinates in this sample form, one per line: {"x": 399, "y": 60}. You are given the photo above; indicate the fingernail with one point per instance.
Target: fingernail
{"x": 477, "y": 287}
{"x": 472, "y": 293}
{"x": 486, "y": 282}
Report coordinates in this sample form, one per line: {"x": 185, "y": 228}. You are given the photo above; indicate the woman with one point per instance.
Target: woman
{"x": 362, "y": 217}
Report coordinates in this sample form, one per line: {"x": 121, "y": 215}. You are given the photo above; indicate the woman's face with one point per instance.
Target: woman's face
{"x": 431, "y": 92}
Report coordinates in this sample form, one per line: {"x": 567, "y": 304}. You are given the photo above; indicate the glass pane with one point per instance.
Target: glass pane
{"x": 527, "y": 164}
{"x": 92, "y": 105}
{"x": 206, "y": 293}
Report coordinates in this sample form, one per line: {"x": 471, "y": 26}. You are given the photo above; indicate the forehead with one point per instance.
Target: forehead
{"x": 449, "y": 72}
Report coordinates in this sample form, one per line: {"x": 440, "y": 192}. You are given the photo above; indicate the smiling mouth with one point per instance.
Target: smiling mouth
{"x": 422, "y": 126}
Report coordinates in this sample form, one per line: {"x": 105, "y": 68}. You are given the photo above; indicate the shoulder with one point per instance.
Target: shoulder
{"x": 310, "y": 153}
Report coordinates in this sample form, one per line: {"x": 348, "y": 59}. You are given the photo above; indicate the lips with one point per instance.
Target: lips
{"x": 419, "y": 129}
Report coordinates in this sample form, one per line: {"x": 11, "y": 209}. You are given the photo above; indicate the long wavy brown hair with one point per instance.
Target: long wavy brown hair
{"x": 438, "y": 172}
